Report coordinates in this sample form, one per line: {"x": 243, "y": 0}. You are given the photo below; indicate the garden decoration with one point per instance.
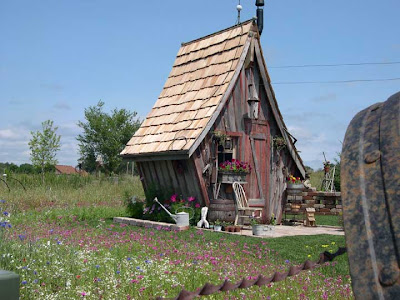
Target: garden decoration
{"x": 235, "y": 166}
{"x": 260, "y": 229}
{"x": 329, "y": 176}
{"x": 243, "y": 210}
{"x": 370, "y": 186}
{"x": 327, "y": 166}
{"x": 180, "y": 218}
{"x": 218, "y": 225}
{"x": 261, "y": 280}
{"x": 9, "y": 281}
{"x": 294, "y": 183}
{"x": 233, "y": 170}
{"x": 203, "y": 220}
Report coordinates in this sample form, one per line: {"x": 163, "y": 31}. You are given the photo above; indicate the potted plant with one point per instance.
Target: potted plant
{"x": 279, "y": 143}
{"x": 228, "y": 226}
{"x": 294, "y": 183}
{"x": 233, "y": 170}
{"x": 256, "y": 227}
{"x": 219, "y": 136}
{"x": 327, "y": 166}
{"x": 260, "y": 229}
{"x": 217, "y": 225}
{"x": 237, "y": 228}
{"x": 272, "y": 220}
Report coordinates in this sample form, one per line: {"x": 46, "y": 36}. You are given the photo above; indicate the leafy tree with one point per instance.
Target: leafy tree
{"x": 309, "y": 170}
{"x": 44, "y": 146}
{"x": 106, "y": 135}
{"x": 26, "y": 169}
{"x": 9, "y": 168}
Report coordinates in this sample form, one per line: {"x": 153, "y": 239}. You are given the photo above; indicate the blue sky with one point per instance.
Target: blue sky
{"x": 59, "y": 57}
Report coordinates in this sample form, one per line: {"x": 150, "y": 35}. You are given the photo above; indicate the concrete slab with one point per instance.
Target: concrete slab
{"x": 149, "y": 224}
{"x": 278, "y": 230}
{"x": 282, "y": 230}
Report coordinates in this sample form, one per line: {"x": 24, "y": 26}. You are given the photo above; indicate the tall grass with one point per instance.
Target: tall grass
{"x": 316, "y": 179}
{"x": 65, "y": 195}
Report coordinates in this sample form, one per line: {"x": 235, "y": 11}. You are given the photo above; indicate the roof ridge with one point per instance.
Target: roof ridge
{"x": 218, "y": 32}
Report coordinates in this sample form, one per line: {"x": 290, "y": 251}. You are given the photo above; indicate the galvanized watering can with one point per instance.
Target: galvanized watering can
{"x": 180, "y": 218}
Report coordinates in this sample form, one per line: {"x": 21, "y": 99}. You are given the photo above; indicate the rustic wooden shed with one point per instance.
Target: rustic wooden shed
{"x": 218, "y": 86}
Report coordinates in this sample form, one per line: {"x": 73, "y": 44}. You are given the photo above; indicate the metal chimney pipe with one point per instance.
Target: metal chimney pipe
{"x": 260, "y": 15}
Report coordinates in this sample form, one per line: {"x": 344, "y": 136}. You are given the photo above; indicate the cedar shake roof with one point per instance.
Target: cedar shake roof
{"x": 201, "y": 74}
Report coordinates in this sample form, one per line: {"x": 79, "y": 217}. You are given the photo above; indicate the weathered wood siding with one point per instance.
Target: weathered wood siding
{"x": 177, "y": 176}
{"x": 266, "y": 183}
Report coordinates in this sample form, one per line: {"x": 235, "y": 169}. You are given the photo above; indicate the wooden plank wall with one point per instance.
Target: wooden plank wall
{"x": 232, "y": 120}
{"x": 165, "y": 174}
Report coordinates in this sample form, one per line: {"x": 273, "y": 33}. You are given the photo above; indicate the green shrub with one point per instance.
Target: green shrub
{"x": 134, "y": 206}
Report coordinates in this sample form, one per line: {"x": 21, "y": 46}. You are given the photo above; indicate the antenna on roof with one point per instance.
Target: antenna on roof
{"x": 239, "y": 8}
{"x": 260, "y": 15}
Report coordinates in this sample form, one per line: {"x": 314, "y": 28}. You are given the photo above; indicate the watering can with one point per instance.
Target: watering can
{"x": 180, "y": 218}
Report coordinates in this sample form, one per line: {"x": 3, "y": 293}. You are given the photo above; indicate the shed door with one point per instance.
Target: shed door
{"x": 258, "y": 155}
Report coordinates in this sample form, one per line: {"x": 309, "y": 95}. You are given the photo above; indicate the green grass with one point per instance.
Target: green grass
{"x": 328, "y": 220}
{"x": 316, "y": 179}
{"x": 64, "y": 245}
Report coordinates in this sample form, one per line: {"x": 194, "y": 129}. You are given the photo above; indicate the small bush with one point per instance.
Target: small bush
{"x": 134, "y": 206}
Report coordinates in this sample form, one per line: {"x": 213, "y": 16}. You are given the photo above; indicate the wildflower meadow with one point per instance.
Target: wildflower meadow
{"x": 63, "y": 244}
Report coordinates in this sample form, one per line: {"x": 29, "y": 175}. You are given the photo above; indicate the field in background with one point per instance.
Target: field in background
{"x": 64, "y": 245}
{"x": 316, "y": 179}
{"x": 84, "y": 197}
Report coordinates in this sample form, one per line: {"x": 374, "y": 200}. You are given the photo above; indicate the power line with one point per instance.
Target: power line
{"x": 337, "y": 81}
{"x": 335, "y": 65}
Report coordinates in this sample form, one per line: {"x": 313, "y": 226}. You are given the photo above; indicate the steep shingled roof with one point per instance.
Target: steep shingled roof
{"x": 200, "y": 76}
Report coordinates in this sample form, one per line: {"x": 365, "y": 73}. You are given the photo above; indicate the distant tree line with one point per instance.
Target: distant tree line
{"x": 9, "y": 168}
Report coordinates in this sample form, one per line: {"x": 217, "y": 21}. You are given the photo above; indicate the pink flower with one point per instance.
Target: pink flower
{"x": 191, "y": 199}
{"x": 173, "y": 197}
{"x": 197, "y": 205}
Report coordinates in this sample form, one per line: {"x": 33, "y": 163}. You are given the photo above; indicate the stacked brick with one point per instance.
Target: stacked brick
{"x": 325, "y": 203}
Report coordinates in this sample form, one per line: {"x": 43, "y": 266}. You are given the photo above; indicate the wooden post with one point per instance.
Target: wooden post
{"x": 201, "y": 180}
